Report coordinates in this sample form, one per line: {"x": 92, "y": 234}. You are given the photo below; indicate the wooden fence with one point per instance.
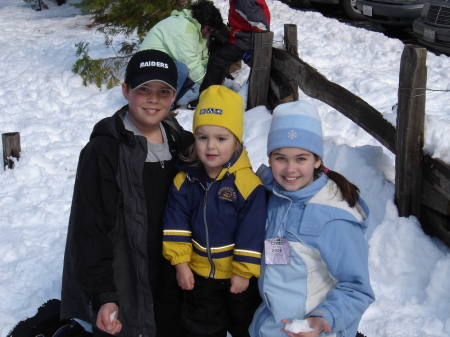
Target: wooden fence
{"x": 422, "y": 183}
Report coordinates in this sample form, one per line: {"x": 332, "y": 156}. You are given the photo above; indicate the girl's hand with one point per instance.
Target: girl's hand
{"x": 317, "y": 323}
{"x": 238, "y": 284}
{"x": 104, "y": 321}
{"x": 185, "y": 277}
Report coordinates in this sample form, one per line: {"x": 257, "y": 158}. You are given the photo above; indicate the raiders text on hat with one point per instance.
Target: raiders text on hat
{"x": 154, "y": 64}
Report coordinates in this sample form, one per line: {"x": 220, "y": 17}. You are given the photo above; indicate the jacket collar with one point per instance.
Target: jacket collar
{"x": 302, "y": 195}
{"x": 323, "y": 203}
{"x": 113, "y": 127}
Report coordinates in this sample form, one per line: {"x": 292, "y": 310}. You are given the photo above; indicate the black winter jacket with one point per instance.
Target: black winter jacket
{"x": 106, "y": 257}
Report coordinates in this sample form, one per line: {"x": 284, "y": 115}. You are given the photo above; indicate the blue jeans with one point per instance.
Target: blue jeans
{"x": 184, "y": 82}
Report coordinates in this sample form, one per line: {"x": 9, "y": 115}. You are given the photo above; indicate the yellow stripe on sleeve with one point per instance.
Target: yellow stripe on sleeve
{"x": 177, "y": 232}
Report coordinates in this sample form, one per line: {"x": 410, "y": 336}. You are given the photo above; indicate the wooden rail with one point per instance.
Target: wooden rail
{"x": 422, "y": 183}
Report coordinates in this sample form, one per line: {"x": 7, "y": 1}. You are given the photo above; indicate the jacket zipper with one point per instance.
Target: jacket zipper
{"x": 137, "y": 248}
{"x": 208, "y": 249}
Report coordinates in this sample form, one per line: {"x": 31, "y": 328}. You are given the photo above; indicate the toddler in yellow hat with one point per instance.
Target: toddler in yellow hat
{"x": 214, "y": 221}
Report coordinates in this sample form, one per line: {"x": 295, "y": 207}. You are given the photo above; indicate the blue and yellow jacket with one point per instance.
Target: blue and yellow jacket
{"x": 217, "y": 226}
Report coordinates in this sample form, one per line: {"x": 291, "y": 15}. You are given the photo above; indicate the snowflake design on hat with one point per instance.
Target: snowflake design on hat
{"x": 292, "y": 134}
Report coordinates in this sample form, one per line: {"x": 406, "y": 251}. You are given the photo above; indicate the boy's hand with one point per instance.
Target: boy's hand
{"x": 104, "y": 321}
{"x": 185, "y": 277}
{"x": 238, "y": 284}
{"x": 315, "y": 322}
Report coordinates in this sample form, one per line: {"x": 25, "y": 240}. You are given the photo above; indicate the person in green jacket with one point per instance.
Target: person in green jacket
{"x": 184, "y": 36}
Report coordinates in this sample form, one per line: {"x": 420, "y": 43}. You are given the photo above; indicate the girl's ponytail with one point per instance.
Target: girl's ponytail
{"x": 348, "y": 190}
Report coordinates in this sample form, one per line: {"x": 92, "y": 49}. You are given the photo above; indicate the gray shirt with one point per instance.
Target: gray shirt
{"x": 155, "y": 152}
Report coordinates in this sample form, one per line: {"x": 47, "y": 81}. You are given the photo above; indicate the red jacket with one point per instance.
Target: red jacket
{"x": 248, "y": 16}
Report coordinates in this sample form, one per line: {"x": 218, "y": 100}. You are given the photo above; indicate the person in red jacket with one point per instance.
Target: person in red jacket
{"x": 244, "y": 17}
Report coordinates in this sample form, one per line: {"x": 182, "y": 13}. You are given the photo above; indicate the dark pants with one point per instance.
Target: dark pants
{"x": 210, "y": 310}
{"x": 219, "y": 62}
{"x": 167, "y": 299}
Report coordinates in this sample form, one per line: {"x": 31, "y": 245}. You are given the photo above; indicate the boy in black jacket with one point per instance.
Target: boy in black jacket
{"x": 115, "y": 276}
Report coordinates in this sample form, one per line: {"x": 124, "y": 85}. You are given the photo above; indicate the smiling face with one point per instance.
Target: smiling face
{"x": 293, "y": 168}
{"x": 215, "y": 145}
{"x": 149, "y": 104}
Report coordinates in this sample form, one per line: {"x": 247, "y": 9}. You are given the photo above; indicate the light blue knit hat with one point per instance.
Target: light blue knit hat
{"x": 296, "y": 124}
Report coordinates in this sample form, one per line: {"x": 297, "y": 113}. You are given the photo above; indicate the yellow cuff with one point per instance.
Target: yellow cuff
{"x": 180, "y": 259}
{"x": 241, "y": 273}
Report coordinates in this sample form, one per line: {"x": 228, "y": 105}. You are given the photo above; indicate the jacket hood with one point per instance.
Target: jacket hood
{"x": 187, "y": 14}
{"x": 113, "y": 127}
{"x": 323, "y": 200}
{"x": 239, "y": 161}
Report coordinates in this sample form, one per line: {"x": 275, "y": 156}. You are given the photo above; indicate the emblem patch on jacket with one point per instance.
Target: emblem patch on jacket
{"x": 227, "y": 193}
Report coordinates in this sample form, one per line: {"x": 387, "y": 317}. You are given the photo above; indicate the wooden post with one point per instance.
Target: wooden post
{"x": 290, "y": 38}
{"x": 291, "y": 43}
{"x": 410, "y": 130}
{"x": 11, "y": 148}
{"x": 260, "y": 71}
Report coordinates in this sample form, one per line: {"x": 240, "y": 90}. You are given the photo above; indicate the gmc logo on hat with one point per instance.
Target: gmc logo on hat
{"x": 210, "y": 111}
{"x": 154, "y": 64}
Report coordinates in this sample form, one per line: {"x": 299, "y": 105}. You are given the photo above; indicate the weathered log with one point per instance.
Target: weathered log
{"x": 433, "y": 199}
{"x": 435, "y": 224}
{"x": 437, "y": 173}
{"x": 291, "y": 44}
{"x": 290, "y": 38}
{"x": 410, "y": 130}
{"x": 280, "y": 90}
{"x": 260, "y": 70}
{"x": 315, "y": 85}
{"x": 11, "y": 148}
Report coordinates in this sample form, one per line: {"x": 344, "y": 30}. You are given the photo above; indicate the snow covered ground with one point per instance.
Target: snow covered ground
{"x": 43, "y": 100}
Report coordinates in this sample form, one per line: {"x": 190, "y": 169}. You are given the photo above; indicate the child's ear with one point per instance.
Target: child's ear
{"x": 125, "y": 90}
{"x": 317, "y": 163}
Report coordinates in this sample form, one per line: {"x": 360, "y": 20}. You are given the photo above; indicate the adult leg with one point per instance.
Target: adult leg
{"x": 218, "y": 64}
{"x": 204, "y": 311}
{"x": 241, "y": 308}
{"x": 184, "y": 82}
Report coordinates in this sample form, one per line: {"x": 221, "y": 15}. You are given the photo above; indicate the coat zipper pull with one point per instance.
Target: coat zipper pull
{"x": 162, "y": 163}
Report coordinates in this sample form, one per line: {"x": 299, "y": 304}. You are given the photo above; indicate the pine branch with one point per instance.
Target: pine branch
{"x": 106, "y": 70}
{"x": 118, "y": 17}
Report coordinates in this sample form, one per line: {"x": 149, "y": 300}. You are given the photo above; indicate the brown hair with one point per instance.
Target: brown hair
{"x": 348, "y": 190}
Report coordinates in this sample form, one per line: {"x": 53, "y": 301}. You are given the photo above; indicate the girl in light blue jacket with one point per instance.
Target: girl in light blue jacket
{"x": 315, "y": 263}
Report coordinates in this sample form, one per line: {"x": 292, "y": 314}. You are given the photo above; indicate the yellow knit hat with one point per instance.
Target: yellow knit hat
{"x": 220, "y": 106}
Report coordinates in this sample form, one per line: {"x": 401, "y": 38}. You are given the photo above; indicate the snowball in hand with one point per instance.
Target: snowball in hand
{"x": 298, "y": 325}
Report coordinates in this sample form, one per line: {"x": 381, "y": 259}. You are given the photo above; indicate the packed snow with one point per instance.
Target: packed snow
{"x": 42, "y": 99}
{"x": 298, "y": 325}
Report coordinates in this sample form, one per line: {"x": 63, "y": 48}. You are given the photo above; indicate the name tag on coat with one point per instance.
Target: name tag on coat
{"x": 277, "y": 251}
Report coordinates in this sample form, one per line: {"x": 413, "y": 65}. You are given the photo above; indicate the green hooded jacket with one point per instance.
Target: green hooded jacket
{"x": 180, "y": 36}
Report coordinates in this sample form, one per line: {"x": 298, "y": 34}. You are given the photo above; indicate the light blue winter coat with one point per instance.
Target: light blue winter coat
{"x": 328, "y": 272}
